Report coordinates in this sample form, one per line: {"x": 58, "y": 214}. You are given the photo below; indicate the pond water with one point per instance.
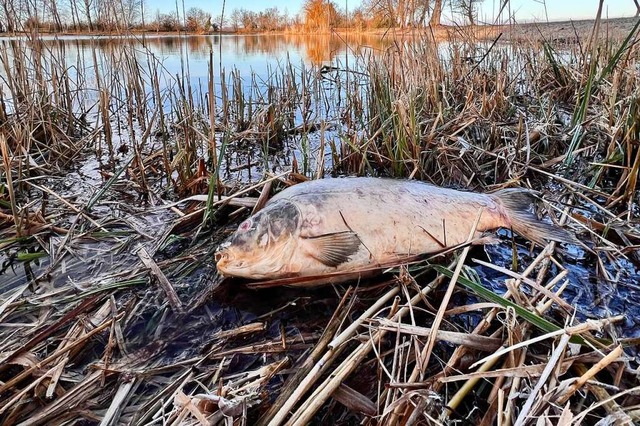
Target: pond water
{"x": 188, "y": 56}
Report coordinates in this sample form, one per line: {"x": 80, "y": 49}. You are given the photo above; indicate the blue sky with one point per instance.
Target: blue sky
{"x": 531, "y": 10}
{"x": 523, "y": 10}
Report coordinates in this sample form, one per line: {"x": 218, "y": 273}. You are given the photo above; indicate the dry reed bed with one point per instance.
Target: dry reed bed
{"x": 156, "y": 337}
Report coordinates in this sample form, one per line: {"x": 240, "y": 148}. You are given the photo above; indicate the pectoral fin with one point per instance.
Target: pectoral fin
{"x": 333, "y": 249}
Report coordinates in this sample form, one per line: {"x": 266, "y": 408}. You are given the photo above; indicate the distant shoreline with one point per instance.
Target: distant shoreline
{"x": 565, "y": 30}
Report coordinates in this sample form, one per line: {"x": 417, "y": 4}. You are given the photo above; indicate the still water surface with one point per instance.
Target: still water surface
{"x": 190, "y": 54}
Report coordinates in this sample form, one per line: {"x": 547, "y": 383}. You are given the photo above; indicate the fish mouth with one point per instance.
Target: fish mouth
{"x": 222, "y": 259}
{"x": 220, "y": 256}
{"x": 228, "y": 264}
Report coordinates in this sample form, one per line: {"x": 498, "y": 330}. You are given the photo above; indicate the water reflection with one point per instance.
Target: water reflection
{"x": 311, "y": 49}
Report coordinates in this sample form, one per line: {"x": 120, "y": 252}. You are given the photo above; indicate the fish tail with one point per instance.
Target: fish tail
{"x": 517, "y": 203}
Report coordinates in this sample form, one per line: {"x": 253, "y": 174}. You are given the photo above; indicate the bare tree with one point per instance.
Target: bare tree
{"x": 380, "y": 13}
{"x": 75, "y": 18}
{"x": 319, "y": 14}
{"x": 270, "y": 19}
{"x": 637, "y": 7}
{"x": 9, "y": 16}
{"x": 142, "y": 13}
{"x": 129, "y": 13}
{"x": 166, "y": 22}
{"x": 55, "y": 15}
{"x": 436, "y": 15}
{"x": 467, "y": 8}
{"x": 392, "y": 13}
{"x": 421, "y": 11}
{"x": 197, "y": 20}
{"x": 88, "y": 4}
{"x": 235, "y": 18}
{"x": 248, "y": 20}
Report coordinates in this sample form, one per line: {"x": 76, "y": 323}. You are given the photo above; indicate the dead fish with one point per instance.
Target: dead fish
{"x": 348, "y": 224}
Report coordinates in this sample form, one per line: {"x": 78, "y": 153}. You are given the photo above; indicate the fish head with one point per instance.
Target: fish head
{"x": 263, "y": 245}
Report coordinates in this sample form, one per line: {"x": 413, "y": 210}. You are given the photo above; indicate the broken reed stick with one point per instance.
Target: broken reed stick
{"x": 542, "y": 290}
{"x": 76, "y": 210}
{"x": 350, "y": 331}
{"x": 73, "y": 397}
{"x": 153, "y": 267}
{"x": 76, "y": 331}
{"x": 457, "y": 398}
{"x": 608, "y": 402}
{"x": 8, "y": 404}
{"x": 534, "y": 370}
{"x": 354, "y": 400}
{"x": 303, "y": 415}
{"x": 589, "y": 325}
{"x": 263, "y": 198}
{"x": 251, "y": 188}
{"x": 231, "y": 200}
{"x": 118, "y": 403}
{"x": 155, "y": 407}
{"x": 6, "y": 160}
{"x": 426, "y": 355}
{"x": 187, "y": 406}
{"x": 542, "y": 380}
{"x": 314, "y": 374}
{"x": 460, "y": 351}
{"x": 12, "y": 298}
{"x": 239, "y": 331}
{"x": 481, "y": 343}
{"x": 589, "y": 374}
{"x": 84, "y": 306}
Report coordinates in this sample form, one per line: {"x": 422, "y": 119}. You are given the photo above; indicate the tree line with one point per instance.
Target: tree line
{"x": 98, "y": 16}
{"x": 127, "y": 15}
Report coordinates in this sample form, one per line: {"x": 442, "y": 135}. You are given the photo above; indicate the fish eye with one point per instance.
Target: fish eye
{"x": 245, "y": 226}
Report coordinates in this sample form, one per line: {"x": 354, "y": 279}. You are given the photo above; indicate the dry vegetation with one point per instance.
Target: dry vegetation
{"x": 109, "y": 315}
